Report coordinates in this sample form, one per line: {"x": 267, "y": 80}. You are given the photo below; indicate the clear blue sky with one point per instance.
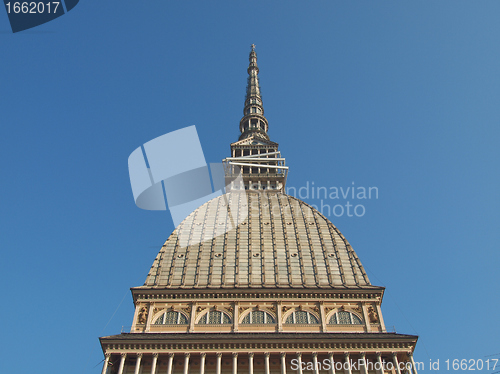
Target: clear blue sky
{"x": 399, "y": 95}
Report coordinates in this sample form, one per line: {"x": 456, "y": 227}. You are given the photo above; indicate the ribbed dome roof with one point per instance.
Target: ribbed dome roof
{"x": 280, "y": 242}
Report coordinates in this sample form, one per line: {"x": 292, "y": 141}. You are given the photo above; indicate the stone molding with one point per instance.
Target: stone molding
{"x": 275, "y": 347}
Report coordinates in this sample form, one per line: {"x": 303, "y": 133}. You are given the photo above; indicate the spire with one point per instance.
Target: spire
{"x": 253, "y": 88}
{"x": 254, "y": 157}
{"x": 253, "y": 121}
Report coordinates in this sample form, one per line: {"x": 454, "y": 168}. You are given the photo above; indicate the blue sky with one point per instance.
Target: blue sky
{"x": 403, "y": 96}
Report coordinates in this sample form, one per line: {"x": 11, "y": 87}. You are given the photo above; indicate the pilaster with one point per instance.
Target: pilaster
{"x": 366, "y": 318}
{"x": 192, "y": 316}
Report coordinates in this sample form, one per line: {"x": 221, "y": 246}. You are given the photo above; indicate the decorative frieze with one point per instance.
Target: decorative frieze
{"x": 276, "y": 347}
{"x": 357, "y": 309}
{"x": 169, "y": 295}
{"x": 328, "y": 309}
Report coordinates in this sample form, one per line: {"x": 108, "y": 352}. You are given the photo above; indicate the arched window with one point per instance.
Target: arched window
{"x": 171, "y": 317}
{"x": 258, "y": 317}
{"x": 345, "y": 318}
{"x": 302, "y": 317}
{"x": 214, "y": 317}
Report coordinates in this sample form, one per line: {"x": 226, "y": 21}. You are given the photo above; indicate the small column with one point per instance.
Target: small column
{"x": 218, "y": 366}
{"x": 413, "y": 367}
{"x": 283, "y": 362}
{"x": 138, "y": 363}
{"x": 153, "y": 365}
{"x": 259, "y": 170}
{"x": 170, "y": 363}
{"x": 315, "y": 362}
{"x": 186, "y": 363}
{"x": 106, "y": 362}
{"x": 299, "y": 359}
{"x": 122, "y": 362}
{"x": 266, "y": 362}
{"x": 250, "y": 363}
{"x": 347, "y": 363}
{"x": 363, "y": 366}
{"x": 395, "y": 362}
{"x": 379, "y": 360}
{"x": 202, "y": 362}
{"x": 235, "y": 363}
{"x": 332, "y": 363}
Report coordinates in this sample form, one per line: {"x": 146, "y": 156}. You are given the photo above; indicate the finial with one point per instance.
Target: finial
{"x": 253, "y": 47}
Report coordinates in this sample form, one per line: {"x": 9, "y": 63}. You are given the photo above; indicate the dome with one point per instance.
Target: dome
{"x": 279, "y": 242}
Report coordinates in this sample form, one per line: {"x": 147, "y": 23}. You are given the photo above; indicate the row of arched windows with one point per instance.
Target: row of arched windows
{"x": 216, "y": 317}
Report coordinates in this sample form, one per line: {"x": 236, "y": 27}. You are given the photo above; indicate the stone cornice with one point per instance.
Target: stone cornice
{"x": 276, "y": 342}
{"x": 150, "y": 294}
